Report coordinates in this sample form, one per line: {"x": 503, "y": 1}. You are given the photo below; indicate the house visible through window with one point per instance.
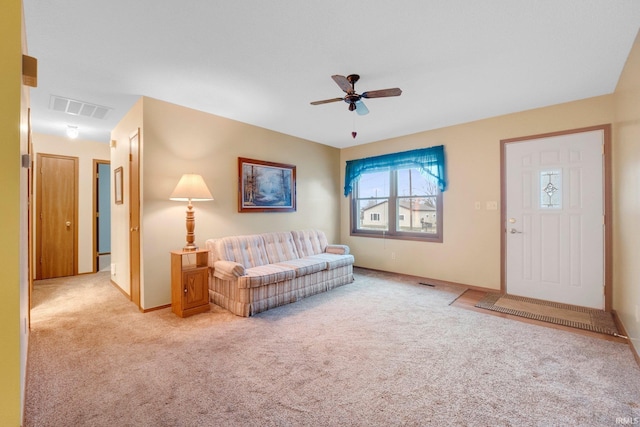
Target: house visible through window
{"x": 397, "y": 203}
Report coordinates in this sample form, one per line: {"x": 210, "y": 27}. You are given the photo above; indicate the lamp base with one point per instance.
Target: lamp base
{"x": 191, "y": 225}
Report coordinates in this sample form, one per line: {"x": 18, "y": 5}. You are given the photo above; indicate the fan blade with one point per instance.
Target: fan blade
{"x": 382, "y": 93}
{"x": 361, "y": 109}
{"x": 326, "y": 101}
{"x": 343, "y": 83}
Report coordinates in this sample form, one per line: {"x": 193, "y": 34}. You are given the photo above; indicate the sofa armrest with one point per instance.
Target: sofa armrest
{"x": 337, "y": 249}
{"x": 228, "y": 270}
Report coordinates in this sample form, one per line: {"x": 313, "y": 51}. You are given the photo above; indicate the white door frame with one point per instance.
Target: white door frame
{"x": 608, "y": 227}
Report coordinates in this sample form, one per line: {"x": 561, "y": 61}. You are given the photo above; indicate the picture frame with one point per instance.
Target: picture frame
{"x": 117, "y": 185}
{"x": 266, "y": 186}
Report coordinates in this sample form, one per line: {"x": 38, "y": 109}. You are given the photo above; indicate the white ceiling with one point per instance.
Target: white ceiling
{"x": 263, "y": 62}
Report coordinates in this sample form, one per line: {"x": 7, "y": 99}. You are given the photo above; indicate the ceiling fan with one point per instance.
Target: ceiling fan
{"x": 347, "y": 84}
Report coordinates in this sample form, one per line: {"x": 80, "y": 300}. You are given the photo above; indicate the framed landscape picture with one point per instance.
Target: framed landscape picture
{"x": 266, "y": 186}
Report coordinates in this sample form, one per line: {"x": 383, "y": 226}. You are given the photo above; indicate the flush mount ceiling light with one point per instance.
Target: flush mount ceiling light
{"x": 72, "y": 131}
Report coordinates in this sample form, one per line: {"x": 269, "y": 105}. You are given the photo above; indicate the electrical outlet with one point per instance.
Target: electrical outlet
{"x": 492, "y": 206}
{"x": 113, "y": 269}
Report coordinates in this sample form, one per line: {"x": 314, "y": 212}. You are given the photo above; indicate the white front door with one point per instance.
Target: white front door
{"x": 554, "y": 218}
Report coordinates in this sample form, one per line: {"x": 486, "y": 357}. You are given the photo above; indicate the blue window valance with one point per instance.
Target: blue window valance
{"x": 429, "y": 161}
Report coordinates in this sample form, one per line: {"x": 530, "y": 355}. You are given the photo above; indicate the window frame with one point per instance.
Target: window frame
{"x": 393, "y": 214}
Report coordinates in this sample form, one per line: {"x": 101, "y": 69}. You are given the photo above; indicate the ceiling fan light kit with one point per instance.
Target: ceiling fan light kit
{"x": 354, "y": 99}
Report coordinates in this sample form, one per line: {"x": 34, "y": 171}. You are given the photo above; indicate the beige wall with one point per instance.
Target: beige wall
{"x": 128, "y": 126}
{"x": 626, "y": 193}
{"x": 86, "y": 152}
{"x": 470, "y": 252}
{"x": 179, "y": 140}
{"x": 14, "y": 334}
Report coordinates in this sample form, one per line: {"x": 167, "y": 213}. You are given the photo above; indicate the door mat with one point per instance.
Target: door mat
{"x": 552, "y": 312}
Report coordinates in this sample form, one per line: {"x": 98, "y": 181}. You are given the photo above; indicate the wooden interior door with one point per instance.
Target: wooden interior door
{"x": 57, "y": 216}
{"x": 102, "y": 214}
{"x": 134, "y": 214}
{"x": 30, "y": 199}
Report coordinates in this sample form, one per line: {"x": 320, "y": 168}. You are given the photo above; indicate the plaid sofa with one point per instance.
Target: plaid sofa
{"x": 253, "y": 273}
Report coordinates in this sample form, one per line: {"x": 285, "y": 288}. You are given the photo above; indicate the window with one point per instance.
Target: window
{"x": 401, "y": 204}
{"x": 398, "y": 195}
{"x": 551, "y": 194}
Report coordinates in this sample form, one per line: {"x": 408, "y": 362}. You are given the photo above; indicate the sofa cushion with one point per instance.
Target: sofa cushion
{"x": 333, "y": 260}
{"x": 309, "y": 242}
{"x": 249, "y": 250}
{"x": 265, "y": 275}
{"x": 280, "y": 246}
{"x": 304, "y": 266}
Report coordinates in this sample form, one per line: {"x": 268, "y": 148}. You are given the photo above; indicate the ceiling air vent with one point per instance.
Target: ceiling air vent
{"x": 78, "y": 108}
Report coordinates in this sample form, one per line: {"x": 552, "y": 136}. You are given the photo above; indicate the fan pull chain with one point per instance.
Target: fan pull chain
{"x": 354, "y": 133}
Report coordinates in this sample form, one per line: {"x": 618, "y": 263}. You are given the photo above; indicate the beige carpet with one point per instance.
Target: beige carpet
{"x": 551, "y": 312}
{"x": 382, "y": 351}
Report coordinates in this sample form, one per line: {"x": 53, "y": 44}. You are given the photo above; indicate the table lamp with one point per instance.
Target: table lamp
{"x": 191, "y": 188}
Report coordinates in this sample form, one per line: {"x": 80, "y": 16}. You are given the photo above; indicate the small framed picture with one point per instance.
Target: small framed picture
{"x": 117, "y": 185}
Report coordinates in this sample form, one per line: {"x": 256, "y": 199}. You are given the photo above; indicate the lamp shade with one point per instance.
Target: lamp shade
{"x": 191, "y": 187}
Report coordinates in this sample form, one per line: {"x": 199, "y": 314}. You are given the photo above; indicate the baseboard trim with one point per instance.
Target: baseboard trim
{"x": 142, "y": 310}
{"x": 120, "y": 289}
{"x": 434, "y": 281}
{"x": 160, "y": 307}
{"x": 623, "y": 331}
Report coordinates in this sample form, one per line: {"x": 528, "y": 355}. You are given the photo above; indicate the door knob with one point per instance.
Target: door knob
{"x": 514, "y": 231}
{"x": 134, "y": 228}
{"x": 68, "y": 223}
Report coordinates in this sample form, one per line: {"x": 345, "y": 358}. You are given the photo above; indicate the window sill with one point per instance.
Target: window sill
{"x": 410, "y": 237}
